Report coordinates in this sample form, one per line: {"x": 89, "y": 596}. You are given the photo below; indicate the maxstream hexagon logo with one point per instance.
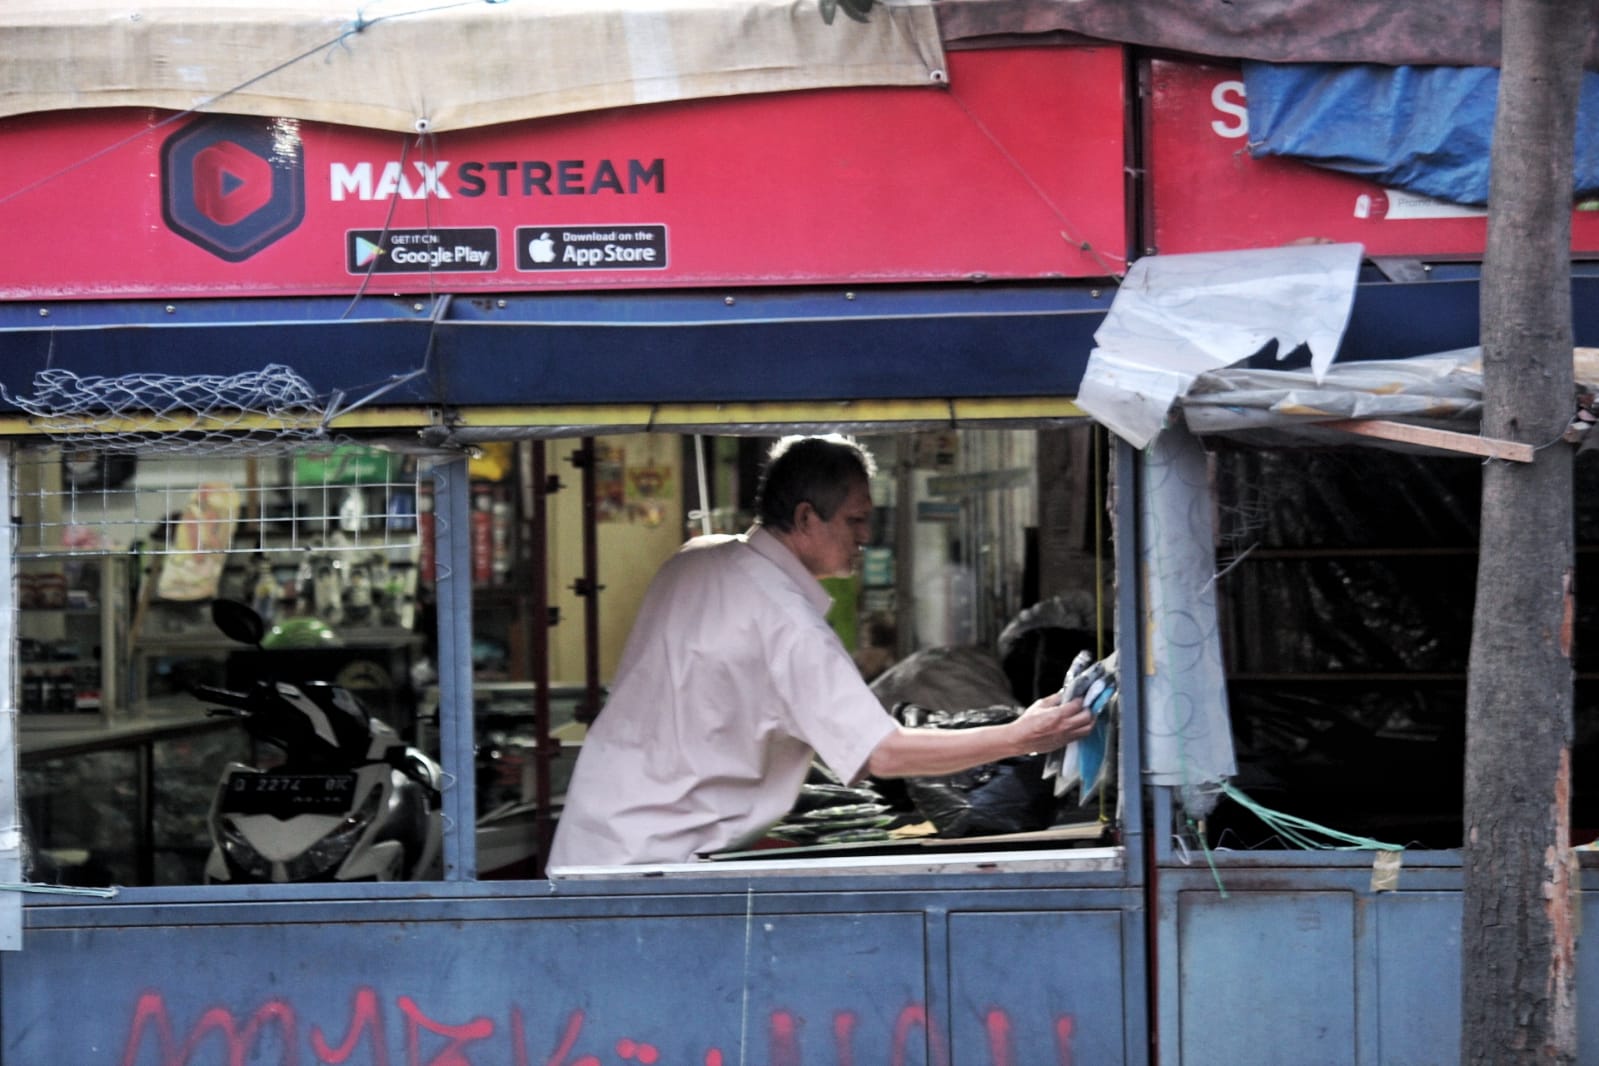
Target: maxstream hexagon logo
{"x": 233, "y": 184}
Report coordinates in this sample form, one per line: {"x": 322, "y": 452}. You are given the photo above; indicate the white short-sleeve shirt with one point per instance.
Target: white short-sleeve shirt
{"x": 730, "y": 681}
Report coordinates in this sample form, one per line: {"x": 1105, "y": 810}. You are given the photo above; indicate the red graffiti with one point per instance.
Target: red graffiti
{"x": 629, "y": 1050}
{"x": 569, "y": 1035}
{"x": 272, "y": 1028}
{"x": 1064, "y": 1026}
{"x": 916, "y": 1015}
{"x": 458, "y": 1035}
{"x": 1002, "y": 1053}
{"x": 784, "y": 1036}
{"x": 843, "y": 1037}
{"x": 152, "y": 1010}
{"x": 366, "y": 1016}
{"x": 997, "y": 1023}
{"x": 365, "y": 1021}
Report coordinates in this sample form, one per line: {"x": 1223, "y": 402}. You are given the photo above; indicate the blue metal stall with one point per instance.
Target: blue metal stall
{"x": 990, "y": 958}
{"x": 995, "y": 955}
{"x": 1134, "y": 953}
{"x": 1005, "y": 957}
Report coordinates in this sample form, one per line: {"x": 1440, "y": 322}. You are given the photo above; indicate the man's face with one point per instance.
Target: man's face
{"x": 828, "y": 547}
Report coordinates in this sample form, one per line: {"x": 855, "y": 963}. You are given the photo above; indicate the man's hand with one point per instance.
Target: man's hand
{"x": 1049, "y": 724}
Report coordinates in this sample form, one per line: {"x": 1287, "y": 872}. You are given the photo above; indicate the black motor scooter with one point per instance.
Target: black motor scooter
{"x": 349, "y": 800}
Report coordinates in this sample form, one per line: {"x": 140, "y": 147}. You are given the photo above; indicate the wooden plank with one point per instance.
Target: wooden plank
{"x": 1488, "y": 447}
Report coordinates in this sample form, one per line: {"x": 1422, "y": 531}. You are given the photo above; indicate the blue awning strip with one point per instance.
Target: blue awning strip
{"x": 676, "y": 347}
{"x": 590, "y": 348}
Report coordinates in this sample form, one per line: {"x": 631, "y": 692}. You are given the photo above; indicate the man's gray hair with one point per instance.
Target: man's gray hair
{"x": 819, "y": 470}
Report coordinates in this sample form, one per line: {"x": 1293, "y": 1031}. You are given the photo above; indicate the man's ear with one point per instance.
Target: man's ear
{"x": 804, "y": 514}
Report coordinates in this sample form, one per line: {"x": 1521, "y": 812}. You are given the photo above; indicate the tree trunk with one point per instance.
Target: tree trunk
{"x": 1517, "y": 933}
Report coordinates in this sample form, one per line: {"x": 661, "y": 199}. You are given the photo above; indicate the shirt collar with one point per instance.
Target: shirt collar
{"x": 760, "y": 538}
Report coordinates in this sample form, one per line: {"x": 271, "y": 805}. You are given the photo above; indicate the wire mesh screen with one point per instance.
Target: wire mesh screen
{"x": 118, "y": 558}
{"x": 262, "y": 411}
{"x": 321, "y": 498}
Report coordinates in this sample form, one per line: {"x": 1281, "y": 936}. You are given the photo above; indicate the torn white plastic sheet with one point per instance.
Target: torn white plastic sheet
{"x": 436, "y": 65}
{"x": 1188, "y": 739}
{"x": 1177, "y": 316}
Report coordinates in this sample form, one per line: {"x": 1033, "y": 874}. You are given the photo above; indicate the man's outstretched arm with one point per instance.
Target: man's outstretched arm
{"x": 1045, "y": 726}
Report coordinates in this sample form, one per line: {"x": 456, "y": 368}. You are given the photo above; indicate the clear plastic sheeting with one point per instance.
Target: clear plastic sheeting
{"x": 1445, "y": 386}
{"x": 1176, "y": 317}
{"x": 1346, "y": 581}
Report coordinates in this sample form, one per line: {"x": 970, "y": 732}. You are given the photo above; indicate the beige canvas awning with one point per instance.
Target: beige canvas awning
{"x": 439, "y": 65}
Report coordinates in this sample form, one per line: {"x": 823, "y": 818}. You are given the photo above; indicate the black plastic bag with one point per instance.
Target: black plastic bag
{"x": 1008, "y": 796}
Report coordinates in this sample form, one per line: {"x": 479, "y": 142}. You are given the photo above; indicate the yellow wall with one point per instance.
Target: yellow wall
{"x": 630, "y": 548}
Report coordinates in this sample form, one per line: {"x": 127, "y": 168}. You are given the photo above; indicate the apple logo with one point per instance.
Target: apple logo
{"x": 542, "y": 249}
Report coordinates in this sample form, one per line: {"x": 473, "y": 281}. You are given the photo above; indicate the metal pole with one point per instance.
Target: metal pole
{"x": 700, "y": 475}
{"x": 452, "y": 523}
{"x": 11, "y": 828}
{"x": 904, "y": 550}
{"x": 535, "y": 508}
{"x": 588, "y": 586}
{"x": 144, "y": 832}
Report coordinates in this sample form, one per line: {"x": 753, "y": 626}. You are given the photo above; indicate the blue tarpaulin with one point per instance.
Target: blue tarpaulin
{"x": 1423, "y": 129}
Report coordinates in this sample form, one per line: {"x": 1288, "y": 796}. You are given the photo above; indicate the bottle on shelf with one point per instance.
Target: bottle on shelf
{"x": 32, "y": 693}
{"x": 482, "y": 535}
{"x": 425, "y": 534}
{"x": 500, "y": 528}
{"x": 63, "y": 697}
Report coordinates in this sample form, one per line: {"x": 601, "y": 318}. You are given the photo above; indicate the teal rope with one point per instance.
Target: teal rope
{"x": 1301, "y": 831}
{"x": 1210, "y": 858}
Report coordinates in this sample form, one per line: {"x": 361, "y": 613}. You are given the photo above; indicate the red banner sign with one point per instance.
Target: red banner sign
{"x": 1210, "y": 194}
{"x": 1014, "y": 170}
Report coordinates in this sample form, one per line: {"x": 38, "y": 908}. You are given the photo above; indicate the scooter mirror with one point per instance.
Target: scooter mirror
{"x": 238, "y": 621}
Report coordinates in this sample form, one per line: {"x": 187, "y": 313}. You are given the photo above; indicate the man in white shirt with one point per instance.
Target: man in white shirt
{"x": 732, "y": 680}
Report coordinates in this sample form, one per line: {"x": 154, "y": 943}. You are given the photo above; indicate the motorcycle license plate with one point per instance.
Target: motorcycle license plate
{"x": 289, "y": 794}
